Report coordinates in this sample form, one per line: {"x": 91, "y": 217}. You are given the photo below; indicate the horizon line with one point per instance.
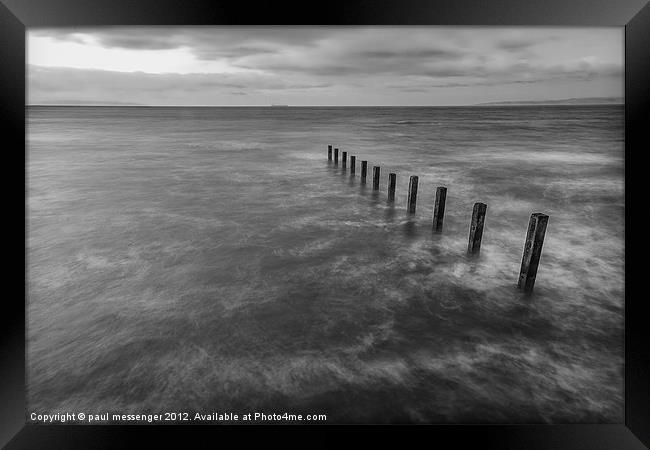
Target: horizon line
{"x": 505, "y": 103}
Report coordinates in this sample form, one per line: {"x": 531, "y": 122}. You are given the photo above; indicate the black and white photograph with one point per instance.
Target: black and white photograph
{"x": 325, "y": 224}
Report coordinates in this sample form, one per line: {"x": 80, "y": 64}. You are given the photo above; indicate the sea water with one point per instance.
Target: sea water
{"x": 212, "y": 259}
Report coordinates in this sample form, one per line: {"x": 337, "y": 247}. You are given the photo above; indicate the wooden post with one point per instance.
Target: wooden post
{"x": 329, "y": 152}
{"x": 439, "y": 208}
{"x": 375, "y": 178}
{"x": 344, "y": 159}
{"x": 413, "y": 194}
{"x": 391, "y": 187}
{"x": 476, "y": 228}
{"x": 353, "y": 164}
{"x": 336, "y": 156}
{"x": 364, "y": 170}
{"x": 532, "y": 251}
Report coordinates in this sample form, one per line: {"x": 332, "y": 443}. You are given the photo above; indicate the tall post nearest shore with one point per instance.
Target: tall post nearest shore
{"x": 353, "y": 164}
{"x": 532, "y": 251}
{"x": 476, "y": 228}
{"x": 329, "y": 152}
{"x": 344, "y": 159}
{"x": 413, "y": 194}
{"x": 364, "y": 171}
{"x": 391, "y": 187}
{"x": 336, "y": 156}
{"x": 375, "y": 178}
{"x": 439, "y": 208}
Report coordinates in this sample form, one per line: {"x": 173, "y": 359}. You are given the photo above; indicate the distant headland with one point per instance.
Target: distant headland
{"x": 564, "y": 101}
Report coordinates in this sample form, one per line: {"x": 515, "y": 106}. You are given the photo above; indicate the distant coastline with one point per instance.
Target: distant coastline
{"x": 564, "y": 101}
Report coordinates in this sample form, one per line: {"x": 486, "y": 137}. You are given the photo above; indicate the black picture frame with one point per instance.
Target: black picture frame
{"x": 17, "y": 15}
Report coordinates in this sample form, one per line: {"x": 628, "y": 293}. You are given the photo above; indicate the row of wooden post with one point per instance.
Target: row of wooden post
{"x": 534, "y": 236}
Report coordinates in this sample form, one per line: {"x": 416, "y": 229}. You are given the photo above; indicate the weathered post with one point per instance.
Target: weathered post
{"x": 476, "y": 228}
{"x": 439, "y": 208}
{"x": 344, "y": 159}
{"x": 391, "y": 187}
{"x": 336, "y": 156}
{"x": 329, "y": 152}
{"x": 532, "y": 251}
{"x": 353, "y": 164}
{"x": 375, "y": 178}
{"x": 364, "y": 170}
{"x": 413, "y": 194}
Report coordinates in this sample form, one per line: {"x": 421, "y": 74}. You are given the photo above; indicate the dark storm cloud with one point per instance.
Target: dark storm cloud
{"x": 517, "y": 44}
{"x": 437, "y": 53}
{"x": 350, "y": 61}
{"x": 204, "y": 42}
{"x": 140, "y": 42}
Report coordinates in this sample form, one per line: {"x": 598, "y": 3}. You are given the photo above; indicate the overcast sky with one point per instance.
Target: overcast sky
{"x": 321, "y": 65}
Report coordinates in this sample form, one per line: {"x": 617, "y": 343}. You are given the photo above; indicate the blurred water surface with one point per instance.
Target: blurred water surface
{"x": 211, "y": 259}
